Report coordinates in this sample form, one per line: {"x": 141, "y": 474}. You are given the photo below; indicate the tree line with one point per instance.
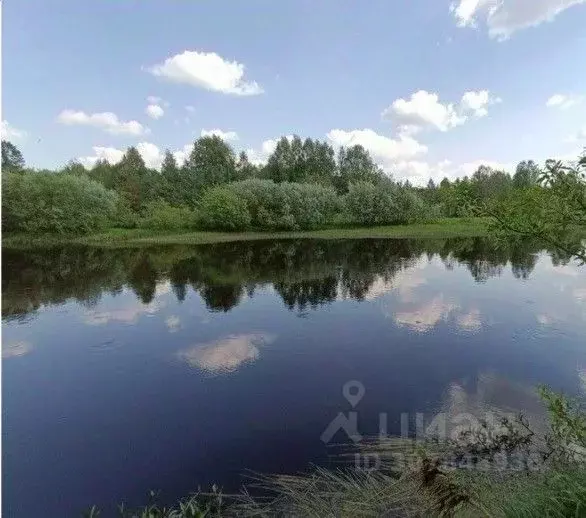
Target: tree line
{"x": 304, "y": 273}
{"x": 304, "y": 184}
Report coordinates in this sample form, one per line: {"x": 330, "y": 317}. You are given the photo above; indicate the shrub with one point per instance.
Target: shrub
{"x": 160, "y": 215}
{"x": 369, "y": 204}
{"x": 220, "y": 208}
{"x": 49, "y": 202}
{"x": 124, "y": 216}
{"x": 286, "y": 206}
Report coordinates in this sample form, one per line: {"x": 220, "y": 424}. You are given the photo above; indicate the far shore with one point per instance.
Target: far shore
{"x": 444, "y": 228}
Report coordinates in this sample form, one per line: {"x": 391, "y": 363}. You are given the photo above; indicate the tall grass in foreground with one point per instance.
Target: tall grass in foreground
{"x": 430, "y": 481}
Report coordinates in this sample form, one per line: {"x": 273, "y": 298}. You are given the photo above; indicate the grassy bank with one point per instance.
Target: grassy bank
{"x": 444, "y": 228}
{"x": 499, "y": 469}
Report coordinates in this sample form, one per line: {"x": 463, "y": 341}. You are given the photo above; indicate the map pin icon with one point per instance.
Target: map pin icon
{"x": 353, "y": 391}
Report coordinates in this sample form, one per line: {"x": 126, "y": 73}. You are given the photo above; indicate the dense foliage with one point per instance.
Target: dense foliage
{"x": 286, "y": 206}
{"x": 222, "y": 209}
{"x": 159, "y": 215}
{"x": 303, "y": 185}
{"x": 370, "y": 204}
{"x": 40, "y": 202}
{"x": 551, "y": 206}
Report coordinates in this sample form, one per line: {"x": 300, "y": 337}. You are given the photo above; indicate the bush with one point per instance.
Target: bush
{"x": 159, "y": 215}
{"x": 286, "y": 206}
{"x": 369, "y": 204}
{"x": 220, "y": 208}
{"x": 50, "y": 202}
{"x": 124, "y": 216}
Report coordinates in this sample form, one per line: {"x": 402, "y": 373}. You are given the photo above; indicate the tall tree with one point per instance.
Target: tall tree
{"x": 75, "y": 168}
{"x": 526, "y": 174}
{"x": 356, "y": 165}
{"x": 320, "y": 162}
{"x": 171, "y": 180}
{"x": 104, "y": 173}
{"x": 488, "y": 184}
{"x": 12, "y": 159}
{"x": 280, "y": 162}
{"x": 129, "y": 177}
{"x": 211, "y": 162}
{"x": 169, "y": 167}
{"x": 244, "y": 168}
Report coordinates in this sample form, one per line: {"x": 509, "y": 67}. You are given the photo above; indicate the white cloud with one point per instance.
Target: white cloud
{"x": 470, "y": 321}
{"x": 106, "y": 121}
{"x": 190, "y": 108}
{"x": 151, "y": 154}
{"x": 426, "y": 317}
{"x": 110, "y": 154}
{"x": 384, "y": 150}
{"x": 405, "y": 282}
{"x": 563, "y": 101}
{"x": 226, "y": 354}
{"x": 127, "y": 314}
{"x": 477, "y": 102}
{"x": 15, "y": 349}
{"x": 260, "y": 157}
{"x": 421, "y": 110}
{"x": 206, "y": 70}
{"x": 465, "y": 11}
{"x": 504, "y": 17}
{"x": 424, "y": 110}
{"x": 173, "y": 323}
{"x": 154, "y": 111}
{"x": 224, "y": 135}
{"x": 468, "y": 168}
{"x": 11, "y": 133}
{"x": 153, "y": 99}
{"x": 182, "y": 154}
{"x": 419, "y": 172}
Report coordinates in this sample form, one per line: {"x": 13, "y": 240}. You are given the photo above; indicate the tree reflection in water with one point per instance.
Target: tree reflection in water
{"x": 305, "y": 273}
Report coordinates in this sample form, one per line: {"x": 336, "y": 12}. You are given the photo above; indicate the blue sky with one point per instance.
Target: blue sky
{"x": 430, "y": 87}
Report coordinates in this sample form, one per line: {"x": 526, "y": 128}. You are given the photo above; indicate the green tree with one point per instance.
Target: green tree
{"x": 47, "y": 202}
{"x": 526, "y": 174}
{"x": 103, "y": 172}
{"x": 244, "y": 168}
{"x": 12, "y": 159}
{"x": 281, "y": 162}
{"x": 171, "y": 180}
{"x": 129, "y": 177}
{"x": 320, "y": 163}
{"x": 211, "y": 162}
{"x": 74, "y": 167}
{"x": 294, "y": 160}
{"x": 488, "y": 184}
{"x": 356, "y": 165}
{"x": 553, "y": 211}
{"x": 220, "y": 208}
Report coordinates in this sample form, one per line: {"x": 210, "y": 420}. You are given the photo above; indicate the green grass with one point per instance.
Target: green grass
{"x": 444, "y": 228}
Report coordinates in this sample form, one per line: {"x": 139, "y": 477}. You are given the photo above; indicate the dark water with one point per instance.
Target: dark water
{"x": 169, "y": 368}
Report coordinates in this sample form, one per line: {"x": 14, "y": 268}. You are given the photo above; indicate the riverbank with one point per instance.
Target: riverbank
{"x": 444, "y": 228}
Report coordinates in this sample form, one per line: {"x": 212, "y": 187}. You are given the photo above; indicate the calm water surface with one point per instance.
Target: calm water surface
{"x": 171, "y": 368}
